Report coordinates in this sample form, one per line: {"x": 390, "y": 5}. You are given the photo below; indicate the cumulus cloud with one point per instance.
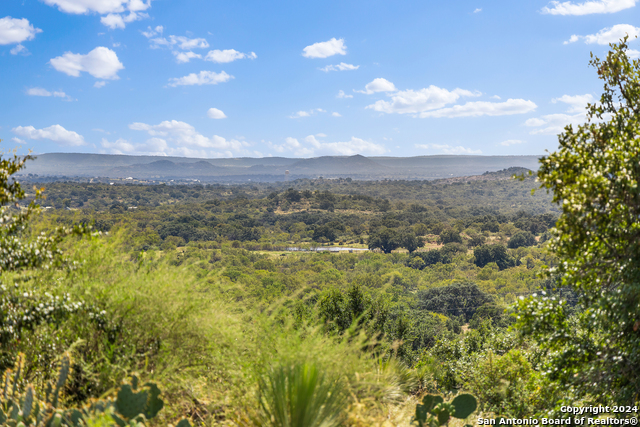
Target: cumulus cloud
{"x": 214, "y": 113}
{"x": 483, "y": 108}
{"x": 341, "y": 94}
{"x": 179, "y": 42}
{"x": 152, "y": 147}
{"x": 478, "y": 10}
{"x": 434, "y": 101}
{"x": 153, "y": 31}
{"x": 340, "y": 67}
{"x": 99, "y": 84}
{"x": 202, "y": 78}
{"x": 54, "y": 133}
{"x": 227, "y": 55}
{"x": 448, "y": 149}
{"x": 189, "y": 142}
{"x": 38, "y": 91}
{"x": 607, "y": 35}
{"x": 182, "y": 57}
{"x": 336, "y": 114}
{"x": 588, "y": 7}
{"x": 13, "y": 30}
{"x": 553, "y": 124}
{"x": 101, "y": 63}
{"x": 309, "y": 113}
{"x": 325, "y": 49}
{"x": 114, "y": 20}
{"x": 633, "y": 54}
{"x": 577, "y": 103}
{"x": 311, "y": 146}
{"x": 117, "y": 12}
{"x": 378, "y": 85}
{"x": 510, "y": 142}
{"x": 416, "y": 101}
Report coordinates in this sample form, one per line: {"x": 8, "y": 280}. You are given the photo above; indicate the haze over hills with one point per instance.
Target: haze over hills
{"x": 270, "y": 168}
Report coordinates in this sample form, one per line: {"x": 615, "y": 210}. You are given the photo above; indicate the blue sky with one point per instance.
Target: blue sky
{"x": 202, "y": 78}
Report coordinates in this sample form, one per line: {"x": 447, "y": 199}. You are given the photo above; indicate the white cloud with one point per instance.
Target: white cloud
{"x": 214, "y": 113}
{"x": 588, "y": 7}
{"x": 115, "y": 10}
{"x": 101, "y": 63}
{"x": 478, "y": 10}
{"x": 448, "y": 149}
{"x": 340, "y": 67}
{"x": 633, "y": 54}
{"x": 417, "y": 101}
{"x": 577, "y": 103}
{"x": 483, "y": 108}
{"x": 17, "y": 49}
{"x": 38, "y": 91}
{"x": 325, "y": 49}
{"x": 54, "y": 133}
{"x": 313, "y": 147}
{"x": 553, "y": 124}
{"x": 510, "y": 142}
{"x": 227, "y": 55}
{"x": 13, "y": 30}
{"x": 336, "y": 114}
{"x": 202, "y": 78}
{"x": 607, "y": 35}
{"x": 114, "y": 21}
{"x": 153, "y": 147}
{"x": 378, "y": 85}
{"x": 153, "y": 31}
{"x": 180, "y": 42}
{"x": 99, "y": 84}
{"x": 189, "y": 141}
{"x": 341, "y": 94}
{"x": 309, "y": 113}
{"x": 182, "y": 57}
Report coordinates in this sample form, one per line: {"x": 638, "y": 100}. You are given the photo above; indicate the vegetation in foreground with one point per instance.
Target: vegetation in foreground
{"x": 525, "y": 310}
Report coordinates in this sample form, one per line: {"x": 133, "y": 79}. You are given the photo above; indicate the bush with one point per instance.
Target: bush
{"x": 521, "y": 239}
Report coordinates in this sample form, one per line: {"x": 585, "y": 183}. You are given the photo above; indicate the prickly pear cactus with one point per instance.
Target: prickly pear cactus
{"x": 434, "y": 412}
{"x": 21, "y": 407}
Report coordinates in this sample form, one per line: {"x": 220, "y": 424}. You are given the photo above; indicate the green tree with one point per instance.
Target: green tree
{"x": 19, "y": 251}
{"x": 520, "y": 239}
{"x": 384, "y": 239}
{"x": 409, "y": 240}
{"x": 595, "y": 178}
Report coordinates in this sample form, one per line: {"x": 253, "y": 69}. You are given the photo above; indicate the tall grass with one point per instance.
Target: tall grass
{"x": 216, "y": 357}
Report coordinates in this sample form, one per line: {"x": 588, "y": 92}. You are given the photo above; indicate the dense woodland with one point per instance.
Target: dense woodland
{"x": 219, "y": 299}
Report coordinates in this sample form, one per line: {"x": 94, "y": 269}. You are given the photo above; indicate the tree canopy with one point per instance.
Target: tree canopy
{"x": 594, "y": 176}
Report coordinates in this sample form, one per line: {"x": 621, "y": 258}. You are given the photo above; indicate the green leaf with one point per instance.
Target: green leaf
{"x": 464, "y": 405}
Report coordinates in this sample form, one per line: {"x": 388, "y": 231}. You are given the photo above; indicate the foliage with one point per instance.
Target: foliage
{"x": 17, "y": 252}
{"x": 459, "y": 299}
{"x": 435, "y": 412}
{"x": 497, "y": 253}
{"x": 132, "y": 405}
{"x": 594, "y": 178}
{"x": 300, "y": 395}
{"x": 521, "y": 239}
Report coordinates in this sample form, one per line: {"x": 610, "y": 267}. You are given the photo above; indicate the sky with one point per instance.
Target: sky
{"x": 210, "y": 79}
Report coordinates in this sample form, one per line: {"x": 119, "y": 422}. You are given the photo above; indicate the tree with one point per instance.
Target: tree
{"x": 409, "y": 240}
{"x": 450, "y": 236}
{"x": 595, "y": 177}
{"x": 384, "y": 239}
{"x": 520, "y": 239}
{"x": 497, "y": 253}
{"x": 17, "y": 250}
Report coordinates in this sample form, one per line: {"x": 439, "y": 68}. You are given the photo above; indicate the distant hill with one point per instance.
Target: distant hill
{"x": 271, "y": 169}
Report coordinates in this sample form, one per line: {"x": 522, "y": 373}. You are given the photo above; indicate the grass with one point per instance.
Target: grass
{"x": 216, "y": 358}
